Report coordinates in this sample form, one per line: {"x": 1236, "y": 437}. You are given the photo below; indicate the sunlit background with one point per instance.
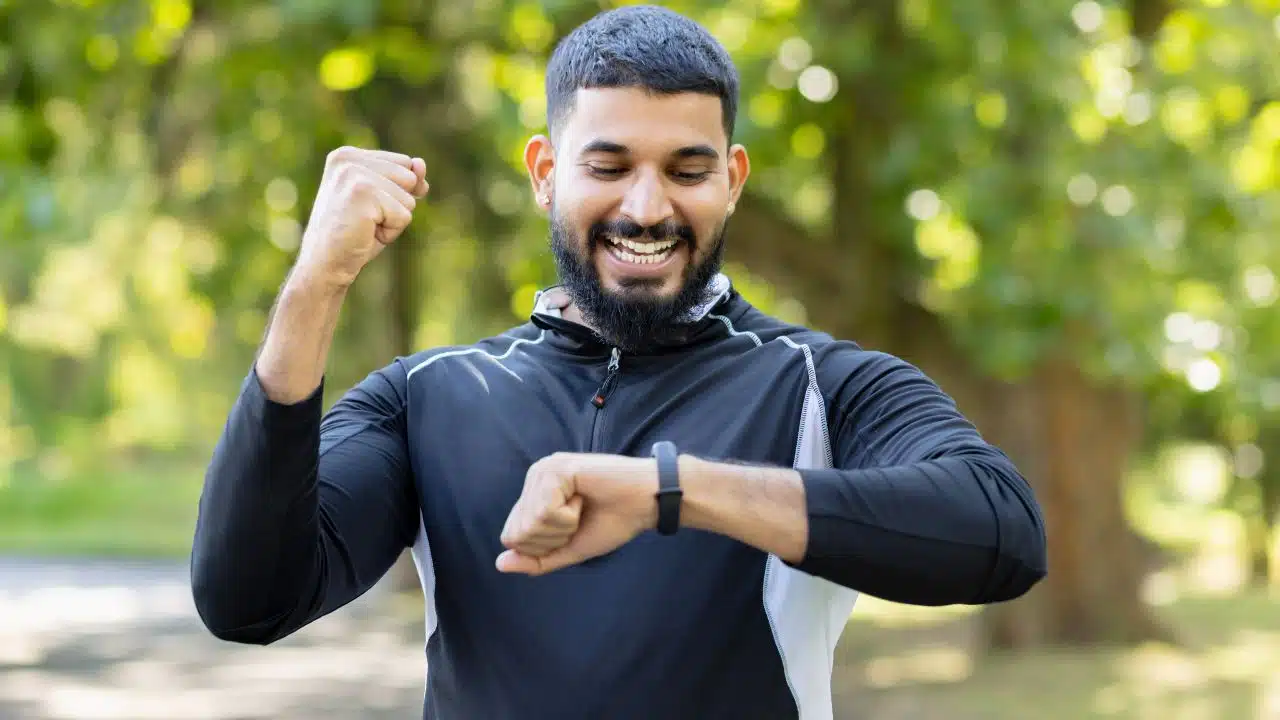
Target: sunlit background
{"x": 1066, "y": 212}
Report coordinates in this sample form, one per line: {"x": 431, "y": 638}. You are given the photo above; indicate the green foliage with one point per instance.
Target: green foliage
{"x": 1048, "y": 174}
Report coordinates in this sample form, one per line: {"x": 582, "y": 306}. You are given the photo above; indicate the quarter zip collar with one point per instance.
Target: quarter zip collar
{"x": 576, "y": 338}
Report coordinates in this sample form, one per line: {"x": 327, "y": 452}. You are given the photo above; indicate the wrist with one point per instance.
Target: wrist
{"x": 639, "y": 478}
{"x": 317, "y": 283}
{"x": 695, "y": 511}
{"x": 669, "y": 495}
{"x": 650, "y": 502}
{"x": 291, "y": 362}
{"x": 761, "y": 506}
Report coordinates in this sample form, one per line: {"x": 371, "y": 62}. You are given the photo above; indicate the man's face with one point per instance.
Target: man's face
{"x": 640, "y": 188}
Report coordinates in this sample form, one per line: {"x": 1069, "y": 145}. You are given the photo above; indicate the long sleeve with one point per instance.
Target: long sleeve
{"x": 301, "y": 512}
{"x": 919, "y": 508}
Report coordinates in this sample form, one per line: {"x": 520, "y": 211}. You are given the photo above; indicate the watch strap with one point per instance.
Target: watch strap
{"x": 669, "y": 492}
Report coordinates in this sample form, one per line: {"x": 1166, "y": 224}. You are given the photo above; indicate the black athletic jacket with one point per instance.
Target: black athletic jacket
{"x": 303, "y": 512}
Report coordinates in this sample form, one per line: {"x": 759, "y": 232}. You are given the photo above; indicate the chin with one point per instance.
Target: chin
{"x": 626, "y": 286}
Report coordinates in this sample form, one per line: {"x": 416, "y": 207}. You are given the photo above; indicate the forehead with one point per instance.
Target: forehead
{"x": 643, "y": 121}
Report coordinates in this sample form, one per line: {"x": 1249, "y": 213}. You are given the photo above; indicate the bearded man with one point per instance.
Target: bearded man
{"x": 651, "y": 500}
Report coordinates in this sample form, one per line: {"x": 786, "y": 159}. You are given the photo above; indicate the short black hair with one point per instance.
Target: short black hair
{"x": 640, "y": 46}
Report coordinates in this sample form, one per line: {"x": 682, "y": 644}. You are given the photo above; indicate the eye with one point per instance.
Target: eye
{"x": 605, "y": 172}
{"x": 690, "y": 177}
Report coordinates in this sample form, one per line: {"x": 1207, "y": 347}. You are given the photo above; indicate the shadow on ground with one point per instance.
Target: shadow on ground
{"x": 98, "y": 641}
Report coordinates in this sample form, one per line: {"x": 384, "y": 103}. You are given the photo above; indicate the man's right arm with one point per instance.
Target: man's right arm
{"x": 302, "y": 513}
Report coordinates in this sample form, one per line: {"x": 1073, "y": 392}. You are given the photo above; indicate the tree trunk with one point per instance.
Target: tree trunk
{"x": 1261, "y": 574}
{"x": 1072, "y": 439}
{"x": 1075, "y": 440}
{"x": 1264, "y": 570}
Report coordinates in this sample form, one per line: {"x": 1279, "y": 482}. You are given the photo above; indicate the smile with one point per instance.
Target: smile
{"x": 641, "y": 253}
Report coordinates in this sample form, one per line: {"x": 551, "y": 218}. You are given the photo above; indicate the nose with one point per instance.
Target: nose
{"x": 646, "y": 202}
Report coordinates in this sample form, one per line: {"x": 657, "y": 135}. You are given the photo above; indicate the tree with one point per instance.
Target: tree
{"x": 1015, "y": 197}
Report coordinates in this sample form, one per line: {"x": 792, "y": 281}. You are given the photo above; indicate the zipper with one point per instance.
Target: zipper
{"x": 615, "y": 358}
{"x": 602, "y": 395}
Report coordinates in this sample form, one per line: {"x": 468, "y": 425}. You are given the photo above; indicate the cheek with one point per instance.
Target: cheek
{"x": 706, "y": 220}
{"x": 584, "y": 200}
{"x": 705, "y": 206}
{"x": 569, "y": 216}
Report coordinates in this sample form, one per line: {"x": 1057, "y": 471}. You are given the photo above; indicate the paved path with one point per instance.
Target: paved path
{"x": 106, "y": 640}
{"x": 121, "y": 641}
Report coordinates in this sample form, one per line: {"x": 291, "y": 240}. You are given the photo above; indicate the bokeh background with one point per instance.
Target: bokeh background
{"x": 1066, "y": 212}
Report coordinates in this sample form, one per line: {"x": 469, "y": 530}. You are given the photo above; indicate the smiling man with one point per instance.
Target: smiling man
{"x": 638, "y": 217}
{"x": 651, "y": 500}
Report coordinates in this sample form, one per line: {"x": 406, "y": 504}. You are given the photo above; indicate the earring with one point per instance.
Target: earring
{"x": 731, "y": 208}
{"x": 543, "y": 199}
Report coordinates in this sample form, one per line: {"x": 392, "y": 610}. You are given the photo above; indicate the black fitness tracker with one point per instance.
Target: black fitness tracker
{"x": 669, "y": 492}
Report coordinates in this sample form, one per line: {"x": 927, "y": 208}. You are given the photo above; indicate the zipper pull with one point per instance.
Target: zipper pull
{"x": 615, "y": 359}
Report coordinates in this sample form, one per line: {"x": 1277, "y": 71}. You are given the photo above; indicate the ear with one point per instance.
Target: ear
{"x": 540, "y": 162}
{"x": 739, "y": 167}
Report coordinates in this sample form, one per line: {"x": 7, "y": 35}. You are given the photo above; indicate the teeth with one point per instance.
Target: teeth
{"x": 640, "y": 259}
{"x": 648, "y": 259}
{"x": 643, "y": 248}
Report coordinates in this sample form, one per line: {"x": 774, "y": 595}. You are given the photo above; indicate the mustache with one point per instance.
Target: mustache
{"x": 631, "y": 230}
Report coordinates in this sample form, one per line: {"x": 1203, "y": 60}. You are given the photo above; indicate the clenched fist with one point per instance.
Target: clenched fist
{"x": 366, "y": 199}
{"x": 578, "y": 506}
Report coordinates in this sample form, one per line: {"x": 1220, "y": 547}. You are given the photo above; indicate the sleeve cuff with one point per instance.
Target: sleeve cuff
{"x": 827, "y": 497}
{"x": 275, "y": 414}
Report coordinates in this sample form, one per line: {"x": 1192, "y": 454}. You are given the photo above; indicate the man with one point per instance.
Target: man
{"x": 574, "y": 564}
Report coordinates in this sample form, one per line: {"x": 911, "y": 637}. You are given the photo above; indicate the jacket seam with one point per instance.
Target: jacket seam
{"x": 515, "y": 343}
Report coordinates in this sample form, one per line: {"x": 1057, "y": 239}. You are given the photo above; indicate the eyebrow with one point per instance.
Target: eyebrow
{"x": 613, "y": 148}
{"x": 698, "y": 151}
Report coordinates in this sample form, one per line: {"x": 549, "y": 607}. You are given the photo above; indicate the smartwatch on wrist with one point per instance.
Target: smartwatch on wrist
{"x": 669, "y": 493}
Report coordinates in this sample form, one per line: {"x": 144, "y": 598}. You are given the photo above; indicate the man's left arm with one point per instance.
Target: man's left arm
{"x": 918, "y": 509}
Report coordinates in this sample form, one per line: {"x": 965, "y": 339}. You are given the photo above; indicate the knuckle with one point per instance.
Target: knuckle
{"x": 349, "y": 175}
{"x": 567, "y": 463}
{"x": 367, "y": 208}
{"x": 361, "y": 186}
{"x": 342, "y": 154}
{"x": 360, "y": 192}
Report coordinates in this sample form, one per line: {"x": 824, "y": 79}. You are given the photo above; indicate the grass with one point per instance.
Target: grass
{"x": 917, "y": 664}
{"x": 144, "y": 510}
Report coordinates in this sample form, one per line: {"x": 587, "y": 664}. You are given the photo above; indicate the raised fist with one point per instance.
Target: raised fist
{"x": 366, "y": 199}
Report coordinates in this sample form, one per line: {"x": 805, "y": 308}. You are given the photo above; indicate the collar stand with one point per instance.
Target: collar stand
{"x": 551, "y": 301}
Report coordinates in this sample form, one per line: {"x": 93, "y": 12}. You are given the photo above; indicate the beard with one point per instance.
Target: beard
{"x": 637, "y": 317}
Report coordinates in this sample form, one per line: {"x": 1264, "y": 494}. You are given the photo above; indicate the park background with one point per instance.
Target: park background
{"x": 1068, "y": 213}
